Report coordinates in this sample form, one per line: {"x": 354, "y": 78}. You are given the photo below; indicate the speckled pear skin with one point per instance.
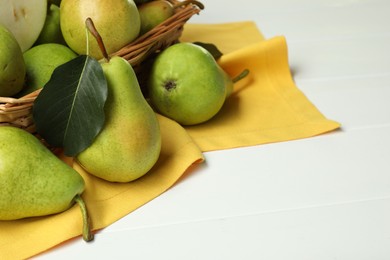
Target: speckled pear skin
{"x": 130, "y": 142}
{"x": 33, "y": 181}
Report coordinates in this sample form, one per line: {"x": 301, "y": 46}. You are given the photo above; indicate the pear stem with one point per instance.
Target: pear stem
{"x": 87, "y": 234}
{"x": 91, "y": 27}
{"x": 186, "y": 2}
{"x": 240, "y": 76}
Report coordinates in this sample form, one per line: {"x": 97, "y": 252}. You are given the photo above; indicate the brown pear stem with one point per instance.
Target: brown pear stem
{"x": 92, "y": 29}
{"x": 186, "y": 2}
{"x": 240, "y": 76}
{"x": 87, "y": 234}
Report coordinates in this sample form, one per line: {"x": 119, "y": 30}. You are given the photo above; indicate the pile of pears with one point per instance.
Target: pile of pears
{"x": 185, "y": 83}
{"x": 59, "y": 26}
{"x": 35, "y": 182}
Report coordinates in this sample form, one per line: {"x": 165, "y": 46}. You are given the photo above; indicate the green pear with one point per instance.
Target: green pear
{"x": 51, "y": 31}
{"x": 153, "y": 13}
{"x": 186, "y": 84}
{"x": 117, "y": 21}
{"x": 25, "y": 19}
{"x": 34, "y": 182}
{"x": 130, "y": 142}
{"x": 13, "y": 69}
{"x": 41, "y": 60}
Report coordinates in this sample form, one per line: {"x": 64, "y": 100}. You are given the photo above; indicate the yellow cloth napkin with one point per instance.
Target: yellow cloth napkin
{"x": 265, "y": 107}
{"x": 106, "y": 202}
{"x": 227, "y": 36}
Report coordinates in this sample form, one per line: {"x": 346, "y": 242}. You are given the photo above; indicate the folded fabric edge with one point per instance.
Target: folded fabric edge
{"x": 286, "y": 87}
{"x": 256, "y": 137}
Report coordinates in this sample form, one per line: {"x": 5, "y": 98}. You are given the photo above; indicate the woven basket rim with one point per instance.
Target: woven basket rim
{"x": 169, "y": 31}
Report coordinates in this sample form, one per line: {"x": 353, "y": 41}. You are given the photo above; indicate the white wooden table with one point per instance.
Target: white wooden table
{"x": 326, "y": 197}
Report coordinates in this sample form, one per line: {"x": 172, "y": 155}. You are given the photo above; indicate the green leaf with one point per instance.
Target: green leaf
{"x": 212, "y": 48}
{"x": 69, "y": 111}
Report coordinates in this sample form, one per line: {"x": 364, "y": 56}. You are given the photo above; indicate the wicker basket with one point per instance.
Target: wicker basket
{"x": 161, "y": 36}
{"x": 18, "y": 111}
